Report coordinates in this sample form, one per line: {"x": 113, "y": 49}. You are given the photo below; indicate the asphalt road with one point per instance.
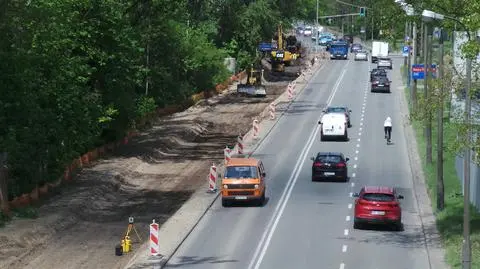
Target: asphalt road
{"x": 306, "y": 224}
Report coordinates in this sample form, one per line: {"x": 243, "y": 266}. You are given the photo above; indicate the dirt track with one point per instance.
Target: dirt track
{"x": 148, "y": 179}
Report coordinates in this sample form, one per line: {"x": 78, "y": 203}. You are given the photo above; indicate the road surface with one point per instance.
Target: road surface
{"x": 308, "y": 224}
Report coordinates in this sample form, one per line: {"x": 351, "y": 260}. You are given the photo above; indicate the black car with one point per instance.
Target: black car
{"x": 348, "y": 38}
{"x": 381, "y": 84}
{"x": 340, "y": 109}
{"x": 355, "y": 47}
{"x": 330, "y": 165}
{"x": 377, "y": 72}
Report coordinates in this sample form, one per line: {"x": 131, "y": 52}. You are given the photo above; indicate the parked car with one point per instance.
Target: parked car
{"x": 330, "y": 165}
{"x": 378, "y": 205}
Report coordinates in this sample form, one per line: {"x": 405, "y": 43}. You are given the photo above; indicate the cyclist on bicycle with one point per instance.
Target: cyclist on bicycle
{"x": 387, "y": 128}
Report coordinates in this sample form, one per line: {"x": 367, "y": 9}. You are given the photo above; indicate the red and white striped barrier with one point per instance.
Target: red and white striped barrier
{"x": 256, "y": 128}
{"x": 240, "y": 144}
{"x": 227, "y": 154}
{"x": 154, "y": 246}
{"x": 212, "y": 179}
{"x": 271, "y": 109}
{"x": 290, "y": 92}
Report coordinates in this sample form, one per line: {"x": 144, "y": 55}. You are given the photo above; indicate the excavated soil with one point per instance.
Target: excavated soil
{"x": 150, "y": 178}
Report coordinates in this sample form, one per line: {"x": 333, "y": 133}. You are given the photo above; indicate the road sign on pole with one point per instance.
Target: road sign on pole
{"x": 405, "y": 51}
{"x": 418, "y": 71}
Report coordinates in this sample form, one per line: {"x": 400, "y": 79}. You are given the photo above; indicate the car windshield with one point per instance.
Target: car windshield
{"x": 378, "y": 197}
{"x": 357, "y": 46}
{"x": 379, "y": 71}
{"x": 336, "y": 109}
{"x": 338, "y": 46}
{"x": 241, "y": 172}
{"x": 329, "y": 158}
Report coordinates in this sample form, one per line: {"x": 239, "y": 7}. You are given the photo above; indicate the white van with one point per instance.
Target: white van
{"x": 333, "y": 126}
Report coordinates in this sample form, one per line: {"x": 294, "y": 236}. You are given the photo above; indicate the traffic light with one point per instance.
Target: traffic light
{"x": 362, "y": 12}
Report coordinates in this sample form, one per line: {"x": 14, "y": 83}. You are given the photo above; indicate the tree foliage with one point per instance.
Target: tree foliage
{"x": 75, "y": 72}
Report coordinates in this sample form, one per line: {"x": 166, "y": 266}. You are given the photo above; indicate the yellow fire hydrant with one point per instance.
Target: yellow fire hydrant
{"x": 126, "y": 244}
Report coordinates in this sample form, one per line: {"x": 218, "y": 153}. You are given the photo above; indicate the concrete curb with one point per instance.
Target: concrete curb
{"x": 139, "y": 262}
{"x": 433, "y": 242}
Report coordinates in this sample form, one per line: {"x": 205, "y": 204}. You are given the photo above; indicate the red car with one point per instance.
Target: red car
{"x": 378, "y": 205}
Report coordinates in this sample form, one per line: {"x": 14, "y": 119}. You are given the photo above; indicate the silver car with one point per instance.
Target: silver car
{"x": 361, "y": 56}
{"x": 384, "y": 63}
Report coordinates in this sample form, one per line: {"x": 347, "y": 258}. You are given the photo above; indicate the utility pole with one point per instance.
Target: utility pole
{"x": 405, "y": 60}
{"x": 427, "y": 119}
{"x": 467, "y": 247}
{"x": 409, "y": 56}
{"x": 428, "y": 92}
{"x": 440, "y": 185}
{"x": 413, "y": 96}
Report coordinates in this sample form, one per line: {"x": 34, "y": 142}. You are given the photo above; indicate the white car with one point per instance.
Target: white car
{"x": 361, "y": 56}
{"x": 384, "y": 63}
{"x": 308, "y": 31}
{"x": 333, "y": 126}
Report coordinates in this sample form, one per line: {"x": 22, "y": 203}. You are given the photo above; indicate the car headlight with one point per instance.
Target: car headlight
{"x": 256, "y": 186}
{"x": 225, "y": 186}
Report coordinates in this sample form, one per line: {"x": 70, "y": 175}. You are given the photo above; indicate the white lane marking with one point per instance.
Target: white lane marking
{"x": 359, "y": 133}
{"x": 350, "y": 194}
{"x": 361, "y": 119}
{"x": 353, "y": 184}
{"x": 345, "y": 232}
{"x": 356, "y": 158}
{"x": 347, "y": 218}
{"x": 361, "y": 123}
{"x": 350, "y": 206}
{"x": 353, "y": 175}
{"x": 264, "y": 242}
{"x": 354, "y": 166}
{"x": 360, "y": 129}
{"x": 344, "y": 248}
{"x": 356, "y": 151}
{"x": 342, "y": 266}
{"x": 358, "y": 145}
{"x": 358, "y": 139}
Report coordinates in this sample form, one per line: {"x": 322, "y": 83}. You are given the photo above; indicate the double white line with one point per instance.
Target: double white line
{"x": 262, "y": 247}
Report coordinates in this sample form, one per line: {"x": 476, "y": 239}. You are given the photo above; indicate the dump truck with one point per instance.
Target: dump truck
{"x": 253, "y": 86}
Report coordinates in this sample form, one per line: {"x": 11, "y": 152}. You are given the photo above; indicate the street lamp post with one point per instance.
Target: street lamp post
{"x": 466, "y": 247}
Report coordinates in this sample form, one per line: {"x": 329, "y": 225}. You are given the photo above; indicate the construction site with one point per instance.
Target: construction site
{"x": 79, "y": 225}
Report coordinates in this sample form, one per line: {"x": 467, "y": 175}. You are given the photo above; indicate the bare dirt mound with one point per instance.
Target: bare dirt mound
{"x": 148, "y": 179}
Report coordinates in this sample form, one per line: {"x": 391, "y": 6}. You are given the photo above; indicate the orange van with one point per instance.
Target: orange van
{"x": 243, "y": 180}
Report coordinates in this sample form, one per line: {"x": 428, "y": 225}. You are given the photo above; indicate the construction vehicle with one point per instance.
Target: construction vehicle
{"x": 281, "y": 56}
{"x": 253, "y": 86}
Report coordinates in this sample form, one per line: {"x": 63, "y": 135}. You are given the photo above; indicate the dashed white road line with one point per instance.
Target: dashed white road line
{"x": 351, "y": 194}
{"x": 345, "y": 232}
{"x": 360, "y": 129}
{"x": 342, "y": 266}
{"x": 353, "y": 184}
{"x": 344, "y": 248}
{"x": 359, "y": 133}
{"x": 354, "y": 166}
{"x": 358, "y": 145}
{"x": 361, "y": 123}
{"x": 350, "y": 206}
{"x": 353, "y": 175}
{"x": 347, "y": 218}
{"x": 358, "y": 139}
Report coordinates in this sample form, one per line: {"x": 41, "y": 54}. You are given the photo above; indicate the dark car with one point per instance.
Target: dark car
{"x": 330, "y": 165}
{"x": 348, "y": 38}
{"x": 381, "y": 84}
{"x": 355, "y": 47}
{"x": 340, "y": 109}
{"x": 378, "y": 205}
{"x": 377, "y": 73}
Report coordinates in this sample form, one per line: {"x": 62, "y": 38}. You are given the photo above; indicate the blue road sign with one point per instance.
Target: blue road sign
{"x": 418, "y": 71}
{"x": 405, "y": 51}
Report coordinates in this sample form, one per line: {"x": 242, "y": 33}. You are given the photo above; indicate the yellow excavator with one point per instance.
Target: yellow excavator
{"x": 253, "y": 87}
{"x": 281, "y": 56}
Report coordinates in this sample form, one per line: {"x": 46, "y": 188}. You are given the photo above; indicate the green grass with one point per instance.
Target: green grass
{"x": 450, "y": 220}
